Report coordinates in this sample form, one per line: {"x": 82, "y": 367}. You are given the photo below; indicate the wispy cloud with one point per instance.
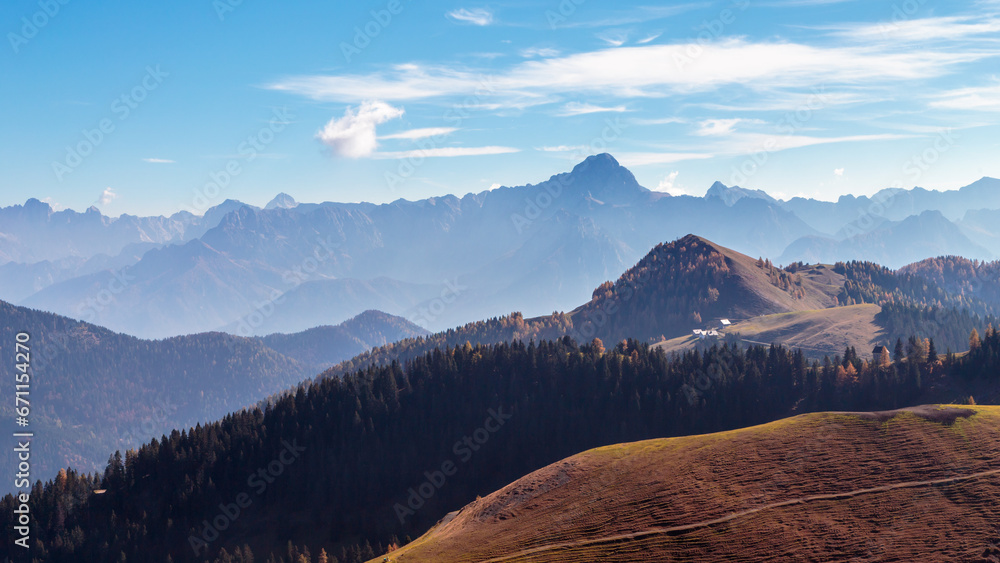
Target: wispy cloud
{"x": 916, "y": 30}
{"x": 445, "y": 152}
{"x": 474, "y": 16}
{"x": 710, "y": 127}
{"x": 613, "y": 38}
{"x": 980, "y": 98}
{"x": 543, "y": 52}
{"x": 645, "y": 71}
{"x": 158, "y": 160}
{"x": 648, "y": 39}
{"x": 578, "y": 108}
{"x": 657, "y": 120}
{"x": 799, "y": 3}
{"x": 641, "y": 14}
{"x": 749, "y": 143}
{"x": 739, "y": 143}
{"x": 647, "y": 158}
{"x": 563, "y": 148}
{"x": 838, "y": 171}
{"x": 353, "y": 135}
{"x": 421, "y": 133}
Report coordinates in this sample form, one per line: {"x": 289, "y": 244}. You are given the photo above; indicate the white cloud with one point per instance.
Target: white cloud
{"x": 543, "y": 52}
{"x": 658, "y": 121}
{"x": 563, "y": 148}
{"x": 648, "y": 39}
{"x": 980, "y": 98}
{"x": 639, "y": 14}
{"x": 158, "y": 160}
{"x": 494, "y": 187}
{"x": 749, "y": 143}
{"x": 445, "y": 152}
{"x": 737, "y": 144}
{"x": 613, "y": 38}
{"x": 669, "y": 185}
{"x": 421, "y": 133}
{"x": 646, "y": 158}
{"x": 578, "y": 108}
{"x": 917, "y": 29}
{"x": 645, "y": 71}
{"x": 710, "y": 127}
{"x": 353, "y": 135}
{"x": 474, "y": 16}
{"x": 52, "y": 203}
{"x": 107, "y": 196}
{"x": 797, "y": 3}
{"x": 838, "y": 171}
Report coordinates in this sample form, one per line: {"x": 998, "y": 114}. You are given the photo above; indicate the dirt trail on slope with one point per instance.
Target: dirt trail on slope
{"x": 735, "y": 515}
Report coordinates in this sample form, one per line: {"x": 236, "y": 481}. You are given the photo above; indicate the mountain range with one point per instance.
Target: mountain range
{"x": 97, "y": 391}
{"x": 443, "y": 261}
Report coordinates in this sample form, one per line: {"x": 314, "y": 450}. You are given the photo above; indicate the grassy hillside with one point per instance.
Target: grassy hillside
{"x": 909, "y": 485}
{"x": 817, "y": 332}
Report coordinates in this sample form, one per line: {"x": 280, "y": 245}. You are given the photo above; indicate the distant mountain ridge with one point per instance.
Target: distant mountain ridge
{"x": 98, "y": 391}
{"x": 535, "y": 248}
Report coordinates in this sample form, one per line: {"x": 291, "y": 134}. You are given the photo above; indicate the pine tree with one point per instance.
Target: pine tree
{"x": 932, "y": 356}
{"x": 897, "y": 354}
{"x": 974, "y": 341}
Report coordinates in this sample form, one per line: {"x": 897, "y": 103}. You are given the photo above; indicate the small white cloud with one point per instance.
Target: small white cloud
{"x": 107, "y": 196}
{"x": 543, "y": 52}
{"x": 353, "y": 135}
{"x": 648, "y": 39}
{"x": 52, "y": 203}
{"x": 494, "y": 186}
{"x": 658, "y": 121}
{"x": 158, "y": 160}
{"x": 577, "y": 108}
{"x": 669, "y": 185}
{"x": 422, "y": 133}
{"x": 613, "y": 38}
{"x": 474, "y": 16}
{"x": 647, "y": 158}
{"x": 445, "y": 152}
{"x": 720, "y": 126}
{"x": 838, "y": 171}
{"x": 563, "y": 148}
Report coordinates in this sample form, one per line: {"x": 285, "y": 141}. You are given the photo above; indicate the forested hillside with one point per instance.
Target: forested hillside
{"x": 974, "y": 278}
{"x": 324, "y": 346}
{"x": 383, "y": 453}
{"x": 95, "y": 391}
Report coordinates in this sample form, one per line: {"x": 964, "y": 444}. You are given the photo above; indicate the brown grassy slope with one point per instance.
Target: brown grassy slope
{"x": 820, "y": 283}
{"x": 899, "y": 486}
{"x": 818, "y": 332}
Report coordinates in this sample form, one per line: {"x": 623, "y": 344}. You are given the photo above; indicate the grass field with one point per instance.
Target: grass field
{"x": 913, "y": 485}
{"x": 818, "y": 332}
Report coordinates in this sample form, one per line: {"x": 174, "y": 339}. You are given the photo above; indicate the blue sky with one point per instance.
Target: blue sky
{"x": 154, "y": 107}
